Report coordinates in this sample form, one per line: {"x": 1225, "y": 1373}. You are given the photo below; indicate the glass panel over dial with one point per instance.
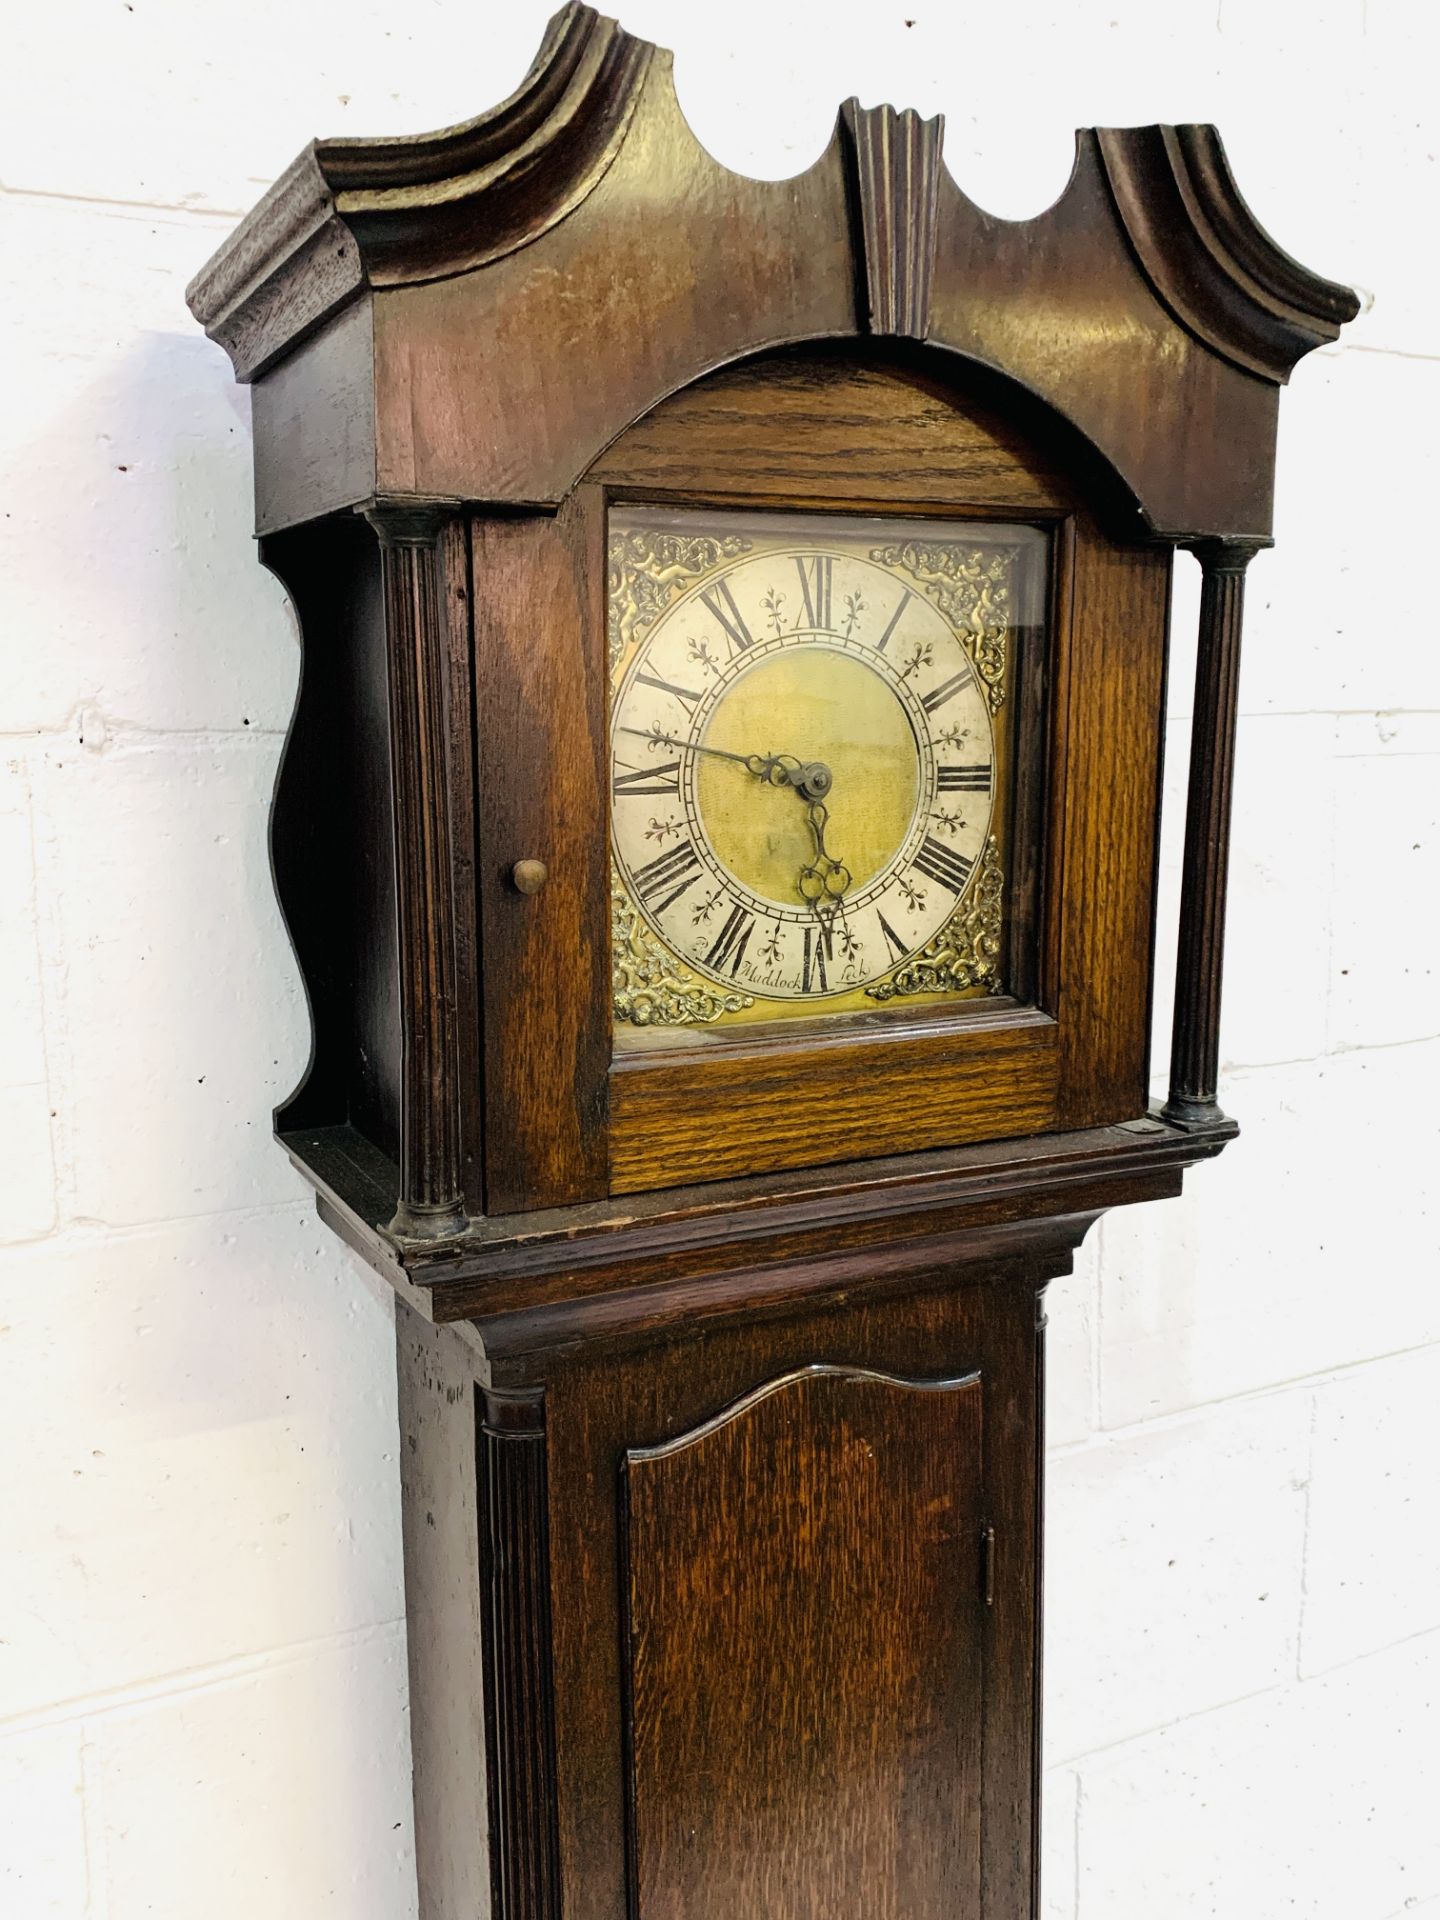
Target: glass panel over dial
{"x": 812, "y": 746}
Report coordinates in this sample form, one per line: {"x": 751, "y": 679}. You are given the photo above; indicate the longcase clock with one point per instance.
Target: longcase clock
{"x": 718, "y": 834}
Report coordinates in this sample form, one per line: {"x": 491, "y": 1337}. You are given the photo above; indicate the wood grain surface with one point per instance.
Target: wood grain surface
{"x": 539, "y": 705}
{"x": 888, "y": 427}
{"x": 517, "y": 1641}
{"x": 768, "y": 1105}
{"x": 1107, "y": 782}
{"x": 602, "y": 1405}
{"x": 581, "y": 226}
{"x": 804, "y": 1599}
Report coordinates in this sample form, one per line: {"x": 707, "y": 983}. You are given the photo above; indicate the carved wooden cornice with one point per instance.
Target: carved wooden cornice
{"x": 1208, "y": 258}
{"x": 896, "y": 162}
{"x": 351, "y": 214}
{"x": 502, "y": 259}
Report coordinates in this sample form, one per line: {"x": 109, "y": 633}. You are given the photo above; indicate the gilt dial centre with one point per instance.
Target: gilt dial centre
{"x": 816, "y": 703}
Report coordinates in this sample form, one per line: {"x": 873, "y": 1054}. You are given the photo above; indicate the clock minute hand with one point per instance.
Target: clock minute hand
{"x": 753, "y": 761}
{"x": 810, "y": 778}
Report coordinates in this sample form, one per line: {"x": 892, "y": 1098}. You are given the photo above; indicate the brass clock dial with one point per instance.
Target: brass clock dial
{"x": 807, "y": 760}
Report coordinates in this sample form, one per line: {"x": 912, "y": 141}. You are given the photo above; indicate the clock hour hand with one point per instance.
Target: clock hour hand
{"x": 824, "y": 881}
{"x": 809, "y": 778}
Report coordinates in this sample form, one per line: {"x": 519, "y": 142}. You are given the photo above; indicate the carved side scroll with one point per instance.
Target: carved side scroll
{"x": 895, "y": 175}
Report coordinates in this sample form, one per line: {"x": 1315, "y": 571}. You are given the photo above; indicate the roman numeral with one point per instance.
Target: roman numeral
{"x": 728, "y": 614}
{"x": 974, "y": 779}
{"x": 815, "y": 587}
{"x": 669, "y": 874}
{"x": 948, "y": 690}
{"x": 818, "y": 949}
{"x": 691, "y": 700}
{"x": 731, "y": 941}
{"x": 884, "y": 640}
{"x": 662, "y": 779}
{"x": 943, "y": 864}
{"x": 896, "y": 945}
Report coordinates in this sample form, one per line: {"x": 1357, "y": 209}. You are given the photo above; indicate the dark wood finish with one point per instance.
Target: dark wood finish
{"x": 345, "y": 215}
{"x": 540, "y": 699}
{"x": 722, "y": 1430}
{"x": 332, "y": 834}
{"x": 959, "y": 1306}
{"x": 857, "y": 1601}
{"x": 1207, "y": 258}
{"x": 1036, "y": 1493}
{"x": 972, "y": 1314}
{"x": 430, "y": 1202}
{"x": 883, "y": 435}
{"x": 563, "y": 1128}
{"x": 896, "y": 428}
{"x": 675, "y": 1120}
{"x": 895, "y": 160}
{"x": 313, "y": 418}
{"x": 458, "y": 701}
{"x": 1030, "y": 963}
{"x": 563, "y": 1253}
{"x": 1175, "y": 299}
{"x": 1106, "y": 778}
{"x": 1200, "y": 956}
{"x": 519, "y": 1702}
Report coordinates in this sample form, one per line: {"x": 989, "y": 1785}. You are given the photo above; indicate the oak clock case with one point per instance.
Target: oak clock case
{"x": 718, "y": 835}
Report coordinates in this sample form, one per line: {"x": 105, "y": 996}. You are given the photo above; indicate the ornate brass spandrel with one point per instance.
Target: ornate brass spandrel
{"x": 971, "y": 586}
{"x": 648, "y": 568}
{"x": 979, "y": 581}
{"x": 965, "y": 954}
{"x": 651, "y": 987}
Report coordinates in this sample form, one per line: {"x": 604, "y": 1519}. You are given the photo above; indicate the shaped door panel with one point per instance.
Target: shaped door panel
{"x": 803, "y": 1583}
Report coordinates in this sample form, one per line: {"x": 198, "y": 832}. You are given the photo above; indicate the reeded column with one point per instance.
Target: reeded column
{"x": 430, "y": 1205}
{"x": 1199, "y": 963}
{"x": 515, "y": 1586}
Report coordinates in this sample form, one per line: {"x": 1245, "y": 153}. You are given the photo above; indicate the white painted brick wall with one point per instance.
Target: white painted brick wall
{"x": 202, "y": 1701}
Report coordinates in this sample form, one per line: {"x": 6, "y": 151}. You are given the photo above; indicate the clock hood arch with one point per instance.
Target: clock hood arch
{"x": 1051, "y": 461}
{"x": 479, "y": 279}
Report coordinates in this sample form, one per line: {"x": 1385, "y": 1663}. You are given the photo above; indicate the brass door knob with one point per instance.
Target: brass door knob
{"x": 529, "y": 876}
